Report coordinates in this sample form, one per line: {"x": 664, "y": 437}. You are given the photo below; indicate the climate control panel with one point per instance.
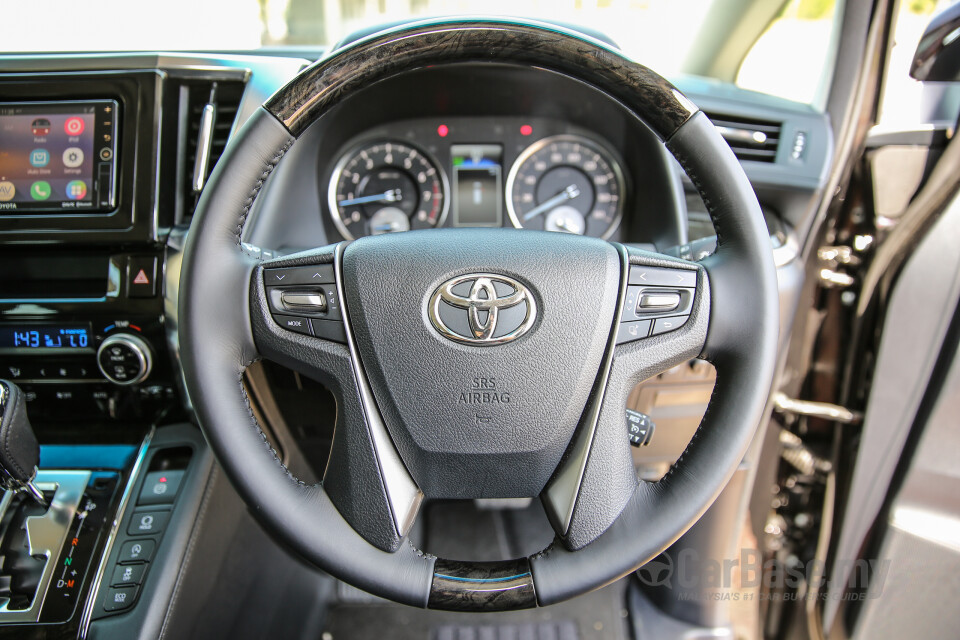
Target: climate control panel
{"x": 99, "y": 368}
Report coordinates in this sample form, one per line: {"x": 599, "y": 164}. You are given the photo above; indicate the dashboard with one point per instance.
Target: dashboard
{"x": 103, "y": 159}
{"x": 483, "y": 173}
{"x": 474, "y": 145}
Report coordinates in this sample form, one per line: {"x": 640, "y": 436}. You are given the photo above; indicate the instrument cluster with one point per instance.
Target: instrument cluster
{"x": 531, "y": 173}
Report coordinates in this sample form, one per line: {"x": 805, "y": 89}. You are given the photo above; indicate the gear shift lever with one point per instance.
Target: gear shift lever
{"x": 19, "y": 450}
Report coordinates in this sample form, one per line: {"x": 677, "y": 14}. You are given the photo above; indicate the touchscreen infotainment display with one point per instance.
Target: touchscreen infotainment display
{"x": 58, "y": 157}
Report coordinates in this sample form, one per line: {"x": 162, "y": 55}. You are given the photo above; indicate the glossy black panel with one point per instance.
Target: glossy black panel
{"x": 482, "y": 586}
{"x": 331, "y": 80}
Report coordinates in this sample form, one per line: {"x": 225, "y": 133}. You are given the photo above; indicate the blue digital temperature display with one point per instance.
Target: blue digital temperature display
{"x": 44, "y": 337}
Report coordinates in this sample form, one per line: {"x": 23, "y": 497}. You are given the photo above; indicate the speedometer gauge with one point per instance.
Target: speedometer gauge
{"x": 566, "y": 183}
{"x": 385, "y": 187}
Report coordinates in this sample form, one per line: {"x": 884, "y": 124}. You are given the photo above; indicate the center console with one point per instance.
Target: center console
{"x": 81, "y": 308}
{"x": 93, "y": 167}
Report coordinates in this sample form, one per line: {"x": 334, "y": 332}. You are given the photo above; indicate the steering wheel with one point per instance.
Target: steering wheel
{"x": 472, "y": 363}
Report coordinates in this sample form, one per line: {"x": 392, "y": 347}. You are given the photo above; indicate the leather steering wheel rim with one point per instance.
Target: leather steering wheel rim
{"x": 619, "y": 523}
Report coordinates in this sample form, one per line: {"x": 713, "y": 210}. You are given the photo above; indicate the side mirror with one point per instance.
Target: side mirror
{"x": 938, "y": 55}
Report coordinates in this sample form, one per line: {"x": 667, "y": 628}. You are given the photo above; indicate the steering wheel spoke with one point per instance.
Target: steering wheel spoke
{"x": 663, "y": 321}
{"x": 299, "y": 321}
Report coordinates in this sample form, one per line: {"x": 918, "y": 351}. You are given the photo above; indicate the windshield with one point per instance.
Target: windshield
{"x": 747, "y": 42}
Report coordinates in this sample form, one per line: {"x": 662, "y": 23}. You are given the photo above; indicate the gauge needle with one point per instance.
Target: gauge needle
{"x": 569, "y": 193}
{"x": 393, "y": 195}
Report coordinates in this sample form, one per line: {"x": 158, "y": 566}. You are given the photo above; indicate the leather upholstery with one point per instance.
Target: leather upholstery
{"x": 19, "y": 451}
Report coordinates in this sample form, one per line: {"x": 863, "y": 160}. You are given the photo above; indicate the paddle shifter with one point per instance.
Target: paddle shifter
{"x": 19, "y": 450}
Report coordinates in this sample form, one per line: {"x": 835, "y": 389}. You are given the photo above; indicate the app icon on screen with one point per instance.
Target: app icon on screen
{"x": 7, "y": 191}
{"x": 40, "y": 190}
{"x": 40, "y": 127}
{"x": 76, "y": 189}
{"x": 73, "y": 157}
{"x": 73, "y": 126}
{"x": 39, "y": 157}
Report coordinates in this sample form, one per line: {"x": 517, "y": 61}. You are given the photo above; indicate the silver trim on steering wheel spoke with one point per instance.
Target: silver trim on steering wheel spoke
{"x": 560, "y": 496}
{"x": 403, "y": 494}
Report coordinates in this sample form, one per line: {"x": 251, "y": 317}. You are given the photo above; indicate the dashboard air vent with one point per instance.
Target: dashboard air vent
{"x": 749, "y": 139}
{"x": 208, "y": 110}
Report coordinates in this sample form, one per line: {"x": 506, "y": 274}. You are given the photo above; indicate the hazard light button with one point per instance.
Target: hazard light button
{"x": 141, "y": 276}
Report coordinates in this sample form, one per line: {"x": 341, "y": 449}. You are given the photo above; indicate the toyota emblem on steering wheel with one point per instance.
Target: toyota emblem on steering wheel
{"x": 482, "y": 309}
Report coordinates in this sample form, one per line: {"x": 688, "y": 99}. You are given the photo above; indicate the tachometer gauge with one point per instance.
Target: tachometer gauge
{"x": 566, "y": 183}
{"x": 385, "y": 187}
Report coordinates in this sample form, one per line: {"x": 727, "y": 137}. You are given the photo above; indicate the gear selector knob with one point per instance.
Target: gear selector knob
{"x": 19, "y": 450}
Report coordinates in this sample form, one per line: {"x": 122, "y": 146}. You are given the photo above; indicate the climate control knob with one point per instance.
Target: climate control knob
{"x": 125, "y": 358}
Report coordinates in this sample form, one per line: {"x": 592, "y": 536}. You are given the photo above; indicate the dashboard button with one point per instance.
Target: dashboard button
{"x": 148, "y": 522}
{"x": 120, "y": 598}
{"x": 664, "y": 325}
{"x": 316, "y": 274}
{"x": 630, "y": 331}
{"x": 294, "y": 323}
{"x": 128, "y": 574}
{"x": 656, "y": 302}
{"x": 141, "y": 276}
{"x": 329, "y": 330}
{"x": 160, "y": 487}
{"x": 137, "y": 551}
{"x": 663, "y": 277}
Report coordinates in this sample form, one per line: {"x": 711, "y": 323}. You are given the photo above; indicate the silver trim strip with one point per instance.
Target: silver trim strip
{"x": 204, "y": 144}
{"x": 560, "y": 497}
{"x": 403, "y": 494}
{"x": 746, "y": 136}
{"x": 94, "y": 593}
{"x": 824, "y": 410}
{"x": 46, "y": 534}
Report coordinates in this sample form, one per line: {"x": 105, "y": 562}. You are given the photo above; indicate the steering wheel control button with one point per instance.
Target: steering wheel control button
{"x": 329, "y": 330}
{"x": 640, "y": 428}
{"x": 321, "y": 301}
{"x": 630, "y": 331}
{"x": 654, "y": 302}
{"x": 160, "y": 487}
{"x": 665, "y": 325}
{"x": 120, "y": 598}
{"x": 662, "y": 277}
{"x": 148, "y": 522}
{"x": 137, "y": 551}
{"x": 317, "y": 274}
{"x": 304, "y": 300}
{"x": 294, "y": 323}
{"x": 128, "y": 574}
